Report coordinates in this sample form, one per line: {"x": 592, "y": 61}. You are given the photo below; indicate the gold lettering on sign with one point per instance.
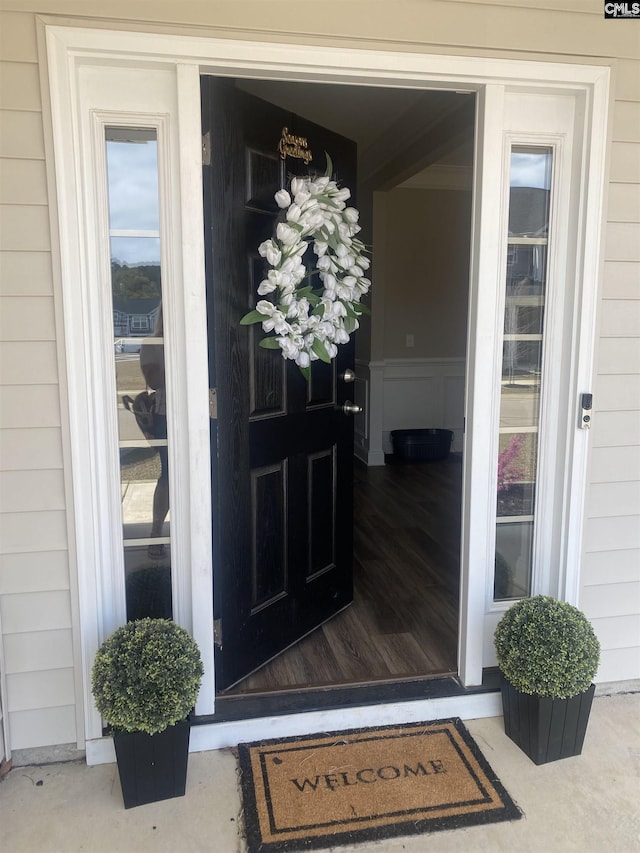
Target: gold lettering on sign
{"x": 294, "y": 146}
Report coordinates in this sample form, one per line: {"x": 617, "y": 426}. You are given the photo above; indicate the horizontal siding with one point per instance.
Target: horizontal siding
{"x": 18, "y": 37}
{"x": 614, "y": 632}
{"x": 30, "y": 449}
{"x": 35, "y": 602}
{"x": 41, "y": 572}
{"x": 42, "y": 650}
{"x": 619, "y": 664}
{"x": 622, "y": 567}
{"x": 605, "y": 534}
{"x": 27, "y": 318}
{"x": 626, "y": 121}
{"x": 21, "y": 134}
{"x": 614, "y": 392}
{"x": 619, "y": 356}
{"x": 614, "y": 464}
{"x": 625, "y": 162}
{"x": 24, "y": 228}
{"x": 621, "y": 317}
{"x": 28, "y": 532}
{"x": 615, "y": 429}
{"x": 611, "y": 600}
{"x": 610, "y": 591}
{"x": 23, "y": 181}
{"x": 622, "y": 242}
{"x": 29, "y": 362}
{"x": 624, "y": 202}
{"x": 26, "y": 274}
{"x": 609, "y": 499}
{"x": 20, "y": 88}
{"x": 29, "y": 406}
{"x": 31, "y": 491}
{"x": 621, "y": 279}
{"x": 28, "y": 691}
{"x": 38, "y": 611}
{"x": 42, "y": 727}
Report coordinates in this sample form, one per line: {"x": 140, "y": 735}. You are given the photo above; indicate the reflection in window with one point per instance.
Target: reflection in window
{"x": 136, "y": 283}
{"x": 522, "y": 359}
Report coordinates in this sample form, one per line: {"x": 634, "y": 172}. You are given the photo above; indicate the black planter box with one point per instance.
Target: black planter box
{"x": 546, "y": 729}
{"x": 152, "y": 767}
{"x": 421, "y": 445}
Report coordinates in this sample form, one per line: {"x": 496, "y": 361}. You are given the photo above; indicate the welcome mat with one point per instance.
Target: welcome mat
{"x": 346, "y": 787}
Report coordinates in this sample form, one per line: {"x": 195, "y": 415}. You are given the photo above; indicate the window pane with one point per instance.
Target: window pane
{"x": 530, "y": 191}
{"x": 148, "y": 584}
{"x": 517, "y": 461}
{"x": 144, "y": 482}
{"x": 132, "y": 172}
{"x": 138, "y": 353}
{"x": 514, "y": 544}
{"x": 522, "y": 368}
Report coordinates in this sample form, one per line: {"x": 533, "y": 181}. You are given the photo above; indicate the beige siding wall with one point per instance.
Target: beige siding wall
{"x": 35, "y": 585}
{"x": 611, "y": 570}
{"x": 35, "y": 604}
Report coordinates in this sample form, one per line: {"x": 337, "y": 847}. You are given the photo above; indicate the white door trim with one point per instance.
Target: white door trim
{"x": 70, "y": 48}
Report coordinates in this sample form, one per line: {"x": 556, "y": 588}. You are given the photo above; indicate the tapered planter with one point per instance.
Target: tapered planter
{"x": 152, "y": 767}
{"x": 546, "y": 729}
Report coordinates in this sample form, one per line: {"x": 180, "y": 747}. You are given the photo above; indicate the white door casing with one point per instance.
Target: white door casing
{"x": 158, "y": 81}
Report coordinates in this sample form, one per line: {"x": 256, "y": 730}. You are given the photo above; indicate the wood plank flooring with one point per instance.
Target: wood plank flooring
{"x": 403, "y": 621}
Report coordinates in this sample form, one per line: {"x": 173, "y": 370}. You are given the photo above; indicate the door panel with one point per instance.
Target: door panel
{"x": 282, "y": 447}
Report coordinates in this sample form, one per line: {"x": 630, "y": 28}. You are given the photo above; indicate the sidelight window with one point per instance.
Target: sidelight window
{"x": 522, "y": 369}
{"x": 138, "y": 354}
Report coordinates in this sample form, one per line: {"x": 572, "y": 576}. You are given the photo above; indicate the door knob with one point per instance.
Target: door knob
{"x": 349, "y": 375}
{"x": 350, "y": 408}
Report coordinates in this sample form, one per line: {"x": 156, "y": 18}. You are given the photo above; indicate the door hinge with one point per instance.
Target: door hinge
{"x": 206, "y": 149}
{"x": 213, "y": 404}
{"x": 217, "y": 633}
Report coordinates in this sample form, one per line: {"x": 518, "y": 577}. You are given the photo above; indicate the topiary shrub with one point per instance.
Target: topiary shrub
{"x": 146, "y": 676}
{"x": 547, "y": 647}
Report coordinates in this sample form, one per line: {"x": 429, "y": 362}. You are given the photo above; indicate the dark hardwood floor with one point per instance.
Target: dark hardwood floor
{"x": 403, "y": 621}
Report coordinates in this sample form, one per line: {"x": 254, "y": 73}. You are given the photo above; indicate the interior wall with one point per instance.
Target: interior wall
{"x": 426, "y": 273}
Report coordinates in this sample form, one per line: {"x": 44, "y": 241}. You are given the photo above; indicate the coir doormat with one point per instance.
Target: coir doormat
{"x": 345, "y": 787}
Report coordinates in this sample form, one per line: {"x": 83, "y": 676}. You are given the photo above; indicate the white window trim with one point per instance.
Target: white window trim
{"x": 68, "y": 48}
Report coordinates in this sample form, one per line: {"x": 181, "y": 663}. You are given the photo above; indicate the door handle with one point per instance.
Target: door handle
{"x": 350, "y": 408}
{"x": 349, "y": 375}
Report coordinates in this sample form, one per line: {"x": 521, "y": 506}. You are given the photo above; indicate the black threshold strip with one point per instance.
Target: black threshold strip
{"x": 277, "y": 703}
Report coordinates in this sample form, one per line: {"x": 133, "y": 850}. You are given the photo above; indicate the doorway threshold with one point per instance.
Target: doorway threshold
{"x": 335, "y": 697}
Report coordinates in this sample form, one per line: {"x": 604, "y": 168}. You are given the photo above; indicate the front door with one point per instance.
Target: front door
{"x": 281, "y": 447}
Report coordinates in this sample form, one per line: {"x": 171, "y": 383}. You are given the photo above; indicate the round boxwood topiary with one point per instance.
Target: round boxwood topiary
{"x": 547, "y": 647}
{"x": 146, "y": 676}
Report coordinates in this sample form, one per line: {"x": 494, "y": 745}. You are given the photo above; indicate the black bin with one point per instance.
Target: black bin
{"x": 421, "y": 445}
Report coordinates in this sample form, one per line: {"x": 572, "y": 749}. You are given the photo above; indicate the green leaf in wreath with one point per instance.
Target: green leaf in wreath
{"x": 252, "y": 317}
{"x": 360, "y": 308}
{"x": 306, "y": 372}
{"x": 269, "y": 343}
{"x": 329, "y": 170}
{"x": 318, "y": 311}
{"x": 321, "y": 351}
{"x": 349, "y": 324}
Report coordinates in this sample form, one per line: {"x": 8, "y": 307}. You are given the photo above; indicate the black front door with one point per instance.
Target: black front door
{"x": 282, "y": 448}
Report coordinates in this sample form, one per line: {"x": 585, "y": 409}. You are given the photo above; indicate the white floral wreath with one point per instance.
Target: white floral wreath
{"x": 307, "y": 323}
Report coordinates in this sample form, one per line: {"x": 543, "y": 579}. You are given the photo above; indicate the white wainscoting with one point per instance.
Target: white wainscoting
{"x": 408, "y": 394}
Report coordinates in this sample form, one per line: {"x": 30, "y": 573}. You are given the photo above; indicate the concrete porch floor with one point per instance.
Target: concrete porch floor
{"x": 588, "y": 803}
